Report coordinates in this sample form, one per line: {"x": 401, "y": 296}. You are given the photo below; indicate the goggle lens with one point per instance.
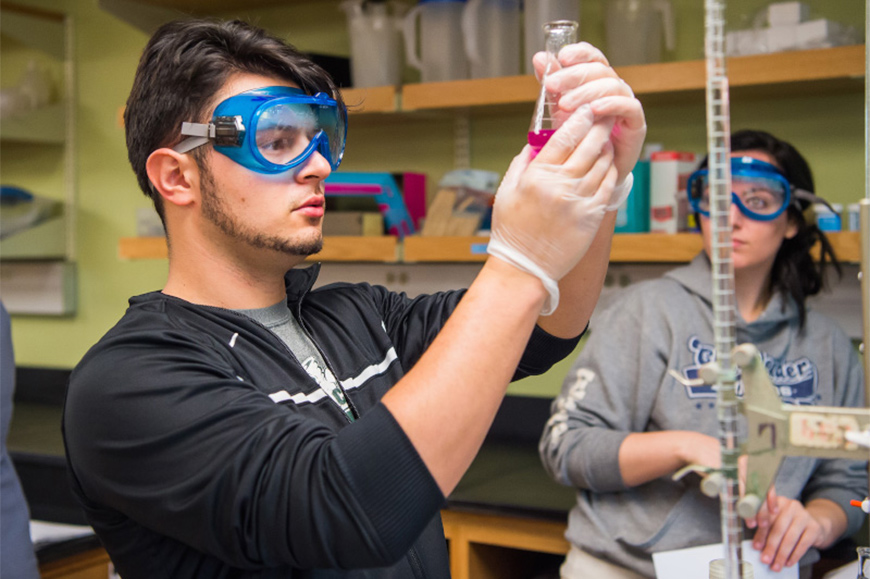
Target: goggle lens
{"x": 756, "y": 188}
{"x": 287, "y": 133}
{"x": 760, "y": 195}
{"x": 283, "y": 132}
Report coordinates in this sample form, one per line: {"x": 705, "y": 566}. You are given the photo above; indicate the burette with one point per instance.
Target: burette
{"x": 724, "y": 300}
{"x": 761, "y": 405}
{"x": 864, "y": 208}
{"x": 864, "y": 219}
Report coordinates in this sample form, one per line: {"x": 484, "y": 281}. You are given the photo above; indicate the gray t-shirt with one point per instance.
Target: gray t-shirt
{"x": 280, "y": 320}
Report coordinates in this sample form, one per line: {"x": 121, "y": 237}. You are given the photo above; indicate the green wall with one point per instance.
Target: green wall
{"x": 828, "y": 129}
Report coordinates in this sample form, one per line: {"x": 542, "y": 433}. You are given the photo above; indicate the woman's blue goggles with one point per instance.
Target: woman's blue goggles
{"x": 759, "y": 189}
{"x": 272, "y": 129}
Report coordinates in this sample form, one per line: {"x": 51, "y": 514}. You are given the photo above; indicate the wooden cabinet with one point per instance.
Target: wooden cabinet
{"x": 488, "y": 546}
{"x": 92, "y": 564}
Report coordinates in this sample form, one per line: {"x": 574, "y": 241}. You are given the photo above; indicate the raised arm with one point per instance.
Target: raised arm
{"x": 546, "y": 215}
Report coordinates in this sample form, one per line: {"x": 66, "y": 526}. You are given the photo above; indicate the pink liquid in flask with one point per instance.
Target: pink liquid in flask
{"x": 538, "y": 139}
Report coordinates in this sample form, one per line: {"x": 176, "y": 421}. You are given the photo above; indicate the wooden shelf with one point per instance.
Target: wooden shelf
{"x": 142, "y": 248}
{"x": 655, "y": 247}
{"x": 778, "y": 73}
{"x": 382, "y": 249}
{"x": 833, "y": 68}
{"x": 627, "y": 248}
{"x": 379, "y": 99}
{"x": 847, "y": 245}
{"x": 445, "y": 249}
{"x": 453, "y": 94}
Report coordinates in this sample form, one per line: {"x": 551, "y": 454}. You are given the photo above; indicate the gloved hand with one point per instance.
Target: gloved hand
{"x": 587, "y": 78}
{"x": 547, "y": 211}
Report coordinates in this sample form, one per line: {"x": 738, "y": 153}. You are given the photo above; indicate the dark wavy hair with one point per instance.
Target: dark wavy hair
{"x": 795, "y": 272}
{"x": 184, "y": 65}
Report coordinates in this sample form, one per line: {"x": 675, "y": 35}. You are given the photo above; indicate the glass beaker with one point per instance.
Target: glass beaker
{"x": 547, "y": 118}
{"x": 863, "y": 562}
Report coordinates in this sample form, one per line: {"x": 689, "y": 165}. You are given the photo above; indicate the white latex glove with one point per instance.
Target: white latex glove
{"x": 547, "y": 211}
{"x": 587, "y": 78}
{"x": 620, "y": 193}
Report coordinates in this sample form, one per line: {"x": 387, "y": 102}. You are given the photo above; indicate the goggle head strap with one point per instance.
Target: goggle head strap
{"x": 810, "y": 197}
{"x": 224, "y": 131}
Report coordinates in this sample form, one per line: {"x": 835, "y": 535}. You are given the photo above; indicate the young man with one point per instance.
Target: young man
{"x": 239, "y": 423}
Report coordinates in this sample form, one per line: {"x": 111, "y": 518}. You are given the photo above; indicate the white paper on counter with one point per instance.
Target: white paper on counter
{"x": 694, "y": 563}
{"x": 847, "y": 571}
{"x": 43, "y": 533}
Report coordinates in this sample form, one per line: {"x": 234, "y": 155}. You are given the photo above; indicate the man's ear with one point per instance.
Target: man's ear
{"x": 174, "y": 175}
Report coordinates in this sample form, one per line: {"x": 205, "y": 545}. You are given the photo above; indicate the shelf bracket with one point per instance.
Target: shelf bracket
{"x": 462, "y": 140}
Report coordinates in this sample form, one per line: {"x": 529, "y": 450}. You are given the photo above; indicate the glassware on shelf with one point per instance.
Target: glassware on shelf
{"x": 536, "y": 13}
{"x": 546, "y": 118}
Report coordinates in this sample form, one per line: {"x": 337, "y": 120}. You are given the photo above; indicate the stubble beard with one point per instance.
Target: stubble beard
{"x": 215, "y": 210}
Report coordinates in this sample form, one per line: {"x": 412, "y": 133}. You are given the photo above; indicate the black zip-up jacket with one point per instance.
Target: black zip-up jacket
{"x": 199, "y": 447}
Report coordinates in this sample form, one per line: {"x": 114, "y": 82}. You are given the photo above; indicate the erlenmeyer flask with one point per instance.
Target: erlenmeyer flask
{"x": 547, "y": 117}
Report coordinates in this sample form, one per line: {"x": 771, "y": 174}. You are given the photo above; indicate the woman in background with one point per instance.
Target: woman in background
{"x": 622, "y": 425}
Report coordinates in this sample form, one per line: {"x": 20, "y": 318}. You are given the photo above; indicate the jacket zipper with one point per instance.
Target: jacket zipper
{"x": 293, "y": 355}
{"x": 305, "y": 328}
{"x": 416, "y": 564}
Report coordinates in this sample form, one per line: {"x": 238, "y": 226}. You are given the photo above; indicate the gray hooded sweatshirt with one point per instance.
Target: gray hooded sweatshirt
{"x": 620, "y": 384}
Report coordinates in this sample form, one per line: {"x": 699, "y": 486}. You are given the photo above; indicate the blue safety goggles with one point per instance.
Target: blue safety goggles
{"x": 273, "y": 129}
{"x": 759, "y": 189}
